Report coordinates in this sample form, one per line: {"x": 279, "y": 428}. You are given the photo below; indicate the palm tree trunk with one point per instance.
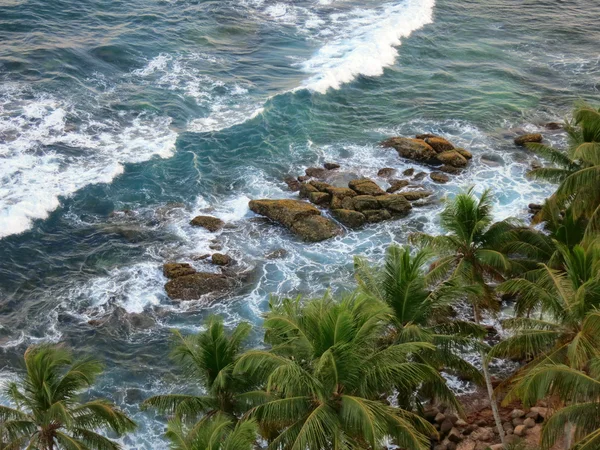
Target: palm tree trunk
{"x": 568, "y": 434}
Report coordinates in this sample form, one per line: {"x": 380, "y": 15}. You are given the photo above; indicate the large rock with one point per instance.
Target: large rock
{"x": 452, "y": 158}
{"x": 316, "y": 172}
{"x": 338, "y": 195}
{"x": 364, "y": 186}
{"x": 395, "y": 203}
{"x": 464, "y": 153}
{"x": 377, "y": 215}
{"x": 306, "y": 189}
{"x": 352, "y": 219}
{"x": 396, "y": 185}
{"x": 194, "y": 286}
{"x": 319, "y": 198}
{"x": 208, "y": 222}
{"x": 439, "y": 144}
{"x": 526, "y": 138}
{"x": 331, "y": 166}
{"x": 386, "y": 172}
{"x": 363, "y": 202}
{"x": 174, "y": 270}
{"x": 292, "y": 183}
{"x": 439, "y": 177}
{"x": 321, "y": 186}
{"x": 415, "y": 195}
{"x": 220, "y": 259}
{"x": 415, "y": 149}
{"x": 300, "y": 217}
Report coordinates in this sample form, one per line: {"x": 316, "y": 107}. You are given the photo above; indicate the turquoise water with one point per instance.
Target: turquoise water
{"x": 167, "y": 109}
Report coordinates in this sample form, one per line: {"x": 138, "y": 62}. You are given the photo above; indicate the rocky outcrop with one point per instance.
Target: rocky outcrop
{"x": 452, "y": 158}
{"x": 364, "y": 186}
{"x": 526, "y": 138}
{"x": 439, "y": 177}
{"x": 174, "y": 270}
{"x": 429, "y": 149}
{"x": 350, "y": 218}
{"x": 396, "y": 185}
{"x": 299, "y": 217}
{"x": 197, "y": 285}
{"x": 386, "y": 172}
{"x": 331, "y": 166}
{"x": 220, "y": 259}
{"x": 413, "y": 149}
{"x": 208, "y": 222}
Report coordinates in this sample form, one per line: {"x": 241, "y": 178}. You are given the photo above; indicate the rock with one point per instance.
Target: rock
{"x": 452, "y": 158}
{"x": 446, "y": 426}
{"x": 439, "y": 418}
{"x": 300, "y": 217}
{"x": 451, "y": 446}
{"x": 306, "y": 189}
{"x": 439, "y": 144}
{"x": 220, "y": 259}
{"x": 467, "y": 445}
{"x": 542, "y": 403}
{"x": 174, "y": 270}
{"x": 492, "y": 160}
{"x": 319, "y": 198}
{"x": 414, "y": 149}
{"x": 292, "y": 183}
{"x": 419, "y": 176}
{"x": 377, "y": 215}
{"x": 208, "y": 222}
{"x": 364, "y": 186}
{"x": 338, "y": 195}
{"x": 449, "y": 169}
{"x": 482, "y": 434}
{"x": 331, "y": 166}
{"x": 534, "y": 207}
{"x": 362, "y": 202}
{"x": 194, "y": 286}
{"x": 352, "y": 219}
{"x": 553, "y": 126}
{"x": 542, "y": 412}
{"x": 215, "y": 246}
{"x": 508, "y": 427}
{"x": 415, "y": 195}
{"x": 440, "y": 447}
{"x": 517, "y": 421}
{"x": 529, "y": 422}
{"x": 497, "y": 447}
{"x": 517, "y": 413}
{"x": 439, "y": 177}
{"x": 525, "y": 138}
{"x": 320, "y": 185}
{"x": 303, "y": 178}
{"x": 460, "y": 423}
{"x": 408, "y": 172}
{"x": 347, "y": 203}
{"x": 386, "y": 172}
{"x": 397, "y": 204}
{"x": 430, "y": 412}
{"x": 315, "y": 172}
{"x": 452, "y": 418}
{"x": 201, "y": 257}
{"x": 464, "y": 153}
{"x": 396, "y": 185}
{"x": 277, "y": 254}
{"x": 454, "y": 435}
{"x": 520, "y": 430}
{"x": 470, "y": 428}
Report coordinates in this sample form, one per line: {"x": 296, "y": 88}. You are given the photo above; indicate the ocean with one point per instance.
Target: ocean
{"x": 120, "y": 121}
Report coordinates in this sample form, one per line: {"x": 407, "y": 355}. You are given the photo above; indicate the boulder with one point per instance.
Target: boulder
{"x": 315, "y": 172}
{"x": 363, "y": 202}
{"x": 300, "y": 217}
{"x": 439, "y": 177}
{"x": 319, "y": 198}
{"x": 419, "y": 176}
{"x": 386, "y": 172}
{"x": 529, "y": 422}
{"x": 553, "y": 126}
{"x": 320, "y": 185}
{"x": 208, "y": 222}
{"x": 377, "y": 215}
{"x": 439, "y": 418}
{"x": 352, "y": 219}
{"x": 396, "y": 185}
{"x": 347, "y": 203}
{"x": 220, "y": 259}
{"x": 454, "y": 435}
{"x": 365, "y": 186}
{"x": 414, "y": 149}
{"x": 517, "y": 421}
{"x": 395, "y": 203}
{"x": 411, "y": 196}
{"x": 196, "y": 285}
{"x": 520, "y": 430}
{"x": 460, "y": 423}
{"x": 526, "y": 138}
{"x": 517, "y": 413}
{"x": 174, "y": 270}
{"x": 450, "y": 169}
{"x": 452, "y": 158}
{"x": 541, "y": 411}
{"x": 303, "y": 178}
{"x": 338, "y": 195}
{"x": 331, "y": 166}
{"x": 439, "y": 144}
{"x": 482, "y": 434}
{"x": 464, "y": 153}
{"x": 446, "y": 426}
{"x": 292, "y": 183}
{"x": 306, "y": 189}
{"x": 409, "y": 172}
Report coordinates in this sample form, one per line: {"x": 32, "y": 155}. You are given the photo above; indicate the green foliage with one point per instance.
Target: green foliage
{"x": 47, "y": 410}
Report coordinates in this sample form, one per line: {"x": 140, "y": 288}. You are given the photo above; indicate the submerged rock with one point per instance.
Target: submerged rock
{"x": 197, "y": 285}
{"x": 450, "y": 169}
{"x": 208, "y": 222}
{"x": 526, "y": 138}
{"x": 396, "y": 185}
{"x": 386, "y": 172}
{"x": 439, "y": 177}
{"x": 365, "y": 186}
{"x": 220, "y": 259}
{"x": 277, "y": 254}
{"x": 331, "y": 166}
{"x": 352, "y": 219}
{"x": 377, "y": 215}
{"x": 292, "y": 183}
{"x": 419, "y": 176}
{"x": 415, "y": 149}
{"x": 409, "y": 172}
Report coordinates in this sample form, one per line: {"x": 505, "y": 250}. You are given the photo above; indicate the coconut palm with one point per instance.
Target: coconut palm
{"x": 421, "y": 308}
{"x": 471, "y": 253}
{"x": 580, "y": 393}
{"x": 332, "y": 379}
{"x": 48, "y": 412}
{"x": 557, "y": 312}
{"x": 208, "y": 358}
{"x": 577, "y": 170}
{"x": 216, "y": 432}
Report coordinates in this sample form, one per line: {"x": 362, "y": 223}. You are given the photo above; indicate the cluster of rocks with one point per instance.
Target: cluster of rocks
{"x": 186, "y": 283}
{"x": 480, "y": 434}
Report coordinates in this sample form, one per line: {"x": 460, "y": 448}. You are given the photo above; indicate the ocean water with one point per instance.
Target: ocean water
{"x": 120, "y": 121}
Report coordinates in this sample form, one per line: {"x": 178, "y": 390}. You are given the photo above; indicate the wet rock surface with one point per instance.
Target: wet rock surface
{"x": 208, "y": 222}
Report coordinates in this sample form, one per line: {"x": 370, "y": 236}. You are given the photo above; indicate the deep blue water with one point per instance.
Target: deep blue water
{"x": 172, "y": 108}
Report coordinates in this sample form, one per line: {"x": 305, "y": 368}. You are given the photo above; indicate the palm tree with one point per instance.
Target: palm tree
{"x": 557, "y": 312}
{"x": 208, "y": 358}
{"x": 421, "y": 308}
{"x": 217, "y": 432}
{"x": 581, "y": 393}
{"x": 578, "y": 169}
{"x": 332, "y": 379}
{"x": 471, "y": 254}
{"x": 48, "y": 413}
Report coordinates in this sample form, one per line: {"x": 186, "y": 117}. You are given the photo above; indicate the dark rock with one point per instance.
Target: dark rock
{"x": 174, "y": 270}
{"x": 526, "y": 138}
{"x": 277, "y": 254}
{"x": 439, "y": 418}
{"x": 446, "y": 426}
{"x": 452, "y": 418}
{"x": 454, "y": 435}
{"x": 303, "y": 178}
{"x": 517, "y": 421}
{"x": 395, "y": 204}
{"x": 306, "y": 189}
{"x": 215, "y": 246}
{"x": 292, "y": 183}
{"x": 194, "y": 286}
{"x": 220, "y": 259}
{"x": 414, "y": 149}
{"x": 415, "y": 195}
{"x": 386, "y": 172}
{"x": 363, "y": 202}
{"x": 529, "y": 422}
{"x": 364, "y": 186}
{"x": 452, "y": 158}
{"x": 396, "y": 185}
{"x": 319, "y": 198}
{"x": 300, "y": 217}
{"x": 338, "y": 195}
{"x": 208, "y": 222}
{"x": 419, "y": 176}
{"x": 347, "y": 203}
{"x": 492, "y": 160}
{"x": 449, "y": 169}
{"x": 377, "y": 215}
{"x": 553, "y": 126}
{"x": 408, "y": 172}
{"x": 352, "y": 219}
{"x": 320, "y": 185}
{"x": 535, "y": 207}
{"x": 315, "y": 172}
{"x": 331, "y": 166}
{"x": 439, "y": 177}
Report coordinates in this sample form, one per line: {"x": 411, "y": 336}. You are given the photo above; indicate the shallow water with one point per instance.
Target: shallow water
{"x": 161, "y": 110}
